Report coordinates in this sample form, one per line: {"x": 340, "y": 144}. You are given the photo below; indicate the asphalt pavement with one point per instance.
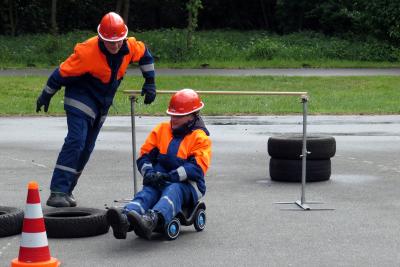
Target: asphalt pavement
{"x": 245, "y": 227}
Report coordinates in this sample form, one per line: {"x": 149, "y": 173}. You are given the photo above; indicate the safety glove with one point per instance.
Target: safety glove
{"x": 149, "y": 91}
{"x": 160, "y": 181}
{"x": 154, "y": 179}
{"x": 43, "y": 101}
{"x": 173, "y": 176}
{"x": 149, "y": 177}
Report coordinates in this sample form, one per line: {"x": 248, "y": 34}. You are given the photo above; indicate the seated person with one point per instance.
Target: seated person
{"x": 173, "y": 162}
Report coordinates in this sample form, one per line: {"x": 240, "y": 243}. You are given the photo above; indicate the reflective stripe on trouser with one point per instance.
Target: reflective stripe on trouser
{"x": 75, "y": 153}
{"x": 168, "y": 201}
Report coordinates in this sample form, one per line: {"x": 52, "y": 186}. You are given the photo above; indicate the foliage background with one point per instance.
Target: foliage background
{"x": 378, "y": 18}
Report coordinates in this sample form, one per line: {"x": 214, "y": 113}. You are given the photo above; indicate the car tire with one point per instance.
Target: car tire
{"x": 75, "y": 222}
{"x": 289, "y": 170}
{"x": 11, "y": 220}
{"x": 290, "y": 146}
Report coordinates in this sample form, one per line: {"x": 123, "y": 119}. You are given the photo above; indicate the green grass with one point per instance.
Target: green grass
{"x": 216, "y": 49}
{"x": 328, "y": 95}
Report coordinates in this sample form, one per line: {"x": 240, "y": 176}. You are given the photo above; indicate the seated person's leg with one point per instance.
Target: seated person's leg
{"x": 173, "y": 198}
{"x": 143, "y": 200}
{"x": 139, "y": 206}
{"x": 117, "y": 218}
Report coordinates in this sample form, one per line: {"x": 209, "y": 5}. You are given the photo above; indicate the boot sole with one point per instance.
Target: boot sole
{"x": 58, "y": 204}
{"x": 113, "y": 220}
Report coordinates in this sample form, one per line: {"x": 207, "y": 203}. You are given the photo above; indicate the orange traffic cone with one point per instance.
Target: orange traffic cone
{"x": 34, "y": 248}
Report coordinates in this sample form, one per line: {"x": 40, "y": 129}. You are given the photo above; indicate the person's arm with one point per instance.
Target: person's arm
{"x": 146, "y": 64}
{"x": 148, "y": 153}
{"x": 196, "y": 166}
{"x": 68, "y": 71}
{"x": 142, "y": 54}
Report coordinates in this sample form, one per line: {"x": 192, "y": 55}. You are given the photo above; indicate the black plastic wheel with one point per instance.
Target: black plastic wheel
{"x": 200, "y": 220}
{"x": 172, "y": 229}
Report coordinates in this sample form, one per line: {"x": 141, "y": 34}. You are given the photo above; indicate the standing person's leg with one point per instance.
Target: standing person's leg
{"x": 91, "y": 137}
{"x": 65, "y": 170}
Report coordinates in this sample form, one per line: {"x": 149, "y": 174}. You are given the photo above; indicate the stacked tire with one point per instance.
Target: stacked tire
{"x": 285, "y": 164}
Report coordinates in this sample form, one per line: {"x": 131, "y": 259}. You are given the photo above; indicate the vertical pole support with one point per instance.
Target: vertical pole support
{"x": 133, "y": 130}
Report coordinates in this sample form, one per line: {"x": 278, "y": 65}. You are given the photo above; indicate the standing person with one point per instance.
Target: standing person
{"x": 173, "y": 162}
{"x": 91, "y": 76}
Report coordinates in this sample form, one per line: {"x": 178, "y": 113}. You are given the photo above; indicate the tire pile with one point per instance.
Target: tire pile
{"x": 286, "y": 161}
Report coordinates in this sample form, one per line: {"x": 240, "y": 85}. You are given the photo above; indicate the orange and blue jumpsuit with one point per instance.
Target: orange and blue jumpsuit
{"x": 91, "y": 76}
{"x": 186, "y": 158}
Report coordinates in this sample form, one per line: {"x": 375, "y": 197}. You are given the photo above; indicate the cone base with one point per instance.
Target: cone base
{"x": 53, "y": 262}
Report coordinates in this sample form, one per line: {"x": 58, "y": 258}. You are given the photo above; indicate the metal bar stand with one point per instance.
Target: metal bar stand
{"x": 302, "y": 203}
{"x": 133, "y": 130}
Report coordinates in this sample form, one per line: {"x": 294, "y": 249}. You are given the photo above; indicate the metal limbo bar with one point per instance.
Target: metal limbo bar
{"x": 304, "y": 99}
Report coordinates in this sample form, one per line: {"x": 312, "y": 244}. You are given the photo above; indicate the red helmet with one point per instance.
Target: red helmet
{"x": 184, "y": 102}
{"x": 112, "y": 28}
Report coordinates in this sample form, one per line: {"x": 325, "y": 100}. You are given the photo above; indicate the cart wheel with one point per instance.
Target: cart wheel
{"x": 200, "y": 220}
{"x": 172, "y": 229}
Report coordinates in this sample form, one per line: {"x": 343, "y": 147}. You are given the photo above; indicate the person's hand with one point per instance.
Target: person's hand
{"x": 165, "y": 176}
{"x": 148, "y": 178}
{"x": 154, "y": 179}
{"x": 149, "y": 91}
{"x": 42, "y": 101}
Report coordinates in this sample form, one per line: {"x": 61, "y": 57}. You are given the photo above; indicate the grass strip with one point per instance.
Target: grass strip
{"x": 328, "y": 95}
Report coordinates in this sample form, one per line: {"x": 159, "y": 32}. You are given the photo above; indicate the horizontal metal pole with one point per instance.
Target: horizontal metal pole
{"x": 303, "y": 94}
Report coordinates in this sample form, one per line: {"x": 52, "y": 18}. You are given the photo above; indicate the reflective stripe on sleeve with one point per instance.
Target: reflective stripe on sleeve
{"x": 49, "y": 90}
{"x": 182, "y": 173}
{"x": 144, "y": 167}
{"x": 147, "y": 67}
{"x": 81, "y": 106}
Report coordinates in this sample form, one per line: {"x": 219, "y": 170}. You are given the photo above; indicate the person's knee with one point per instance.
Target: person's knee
{"x": 76, "y": 142}
{"x": 174, "y": 187}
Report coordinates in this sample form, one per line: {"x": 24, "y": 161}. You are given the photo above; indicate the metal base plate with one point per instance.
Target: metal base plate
{"x": 304, "y": 206}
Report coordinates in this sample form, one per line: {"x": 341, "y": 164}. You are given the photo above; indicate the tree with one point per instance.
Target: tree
{"x": 8, "y": 16}
{"x": 193, "y": 7}
{"x": 122, "y": 8}
{"x": 54, "y": 28}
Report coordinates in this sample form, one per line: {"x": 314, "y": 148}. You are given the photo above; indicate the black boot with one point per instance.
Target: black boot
{"x": 118, "y": 222}
{"x": 58, "y": 200}
{"x": 71, "y": 199}
{"x": 143, "y": 225}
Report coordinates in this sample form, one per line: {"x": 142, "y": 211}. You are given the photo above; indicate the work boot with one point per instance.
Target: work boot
{"x": 143, "y": 225}
{"x": 71, "y": 199}
{"x": 118, "y": 222}
{"x": 58, "y": 200}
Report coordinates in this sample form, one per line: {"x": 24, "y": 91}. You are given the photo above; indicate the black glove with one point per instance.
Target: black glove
{"x": 41, "y": 101}
{"x": 149, "y": 90}
{"x": 154, "y": 179}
